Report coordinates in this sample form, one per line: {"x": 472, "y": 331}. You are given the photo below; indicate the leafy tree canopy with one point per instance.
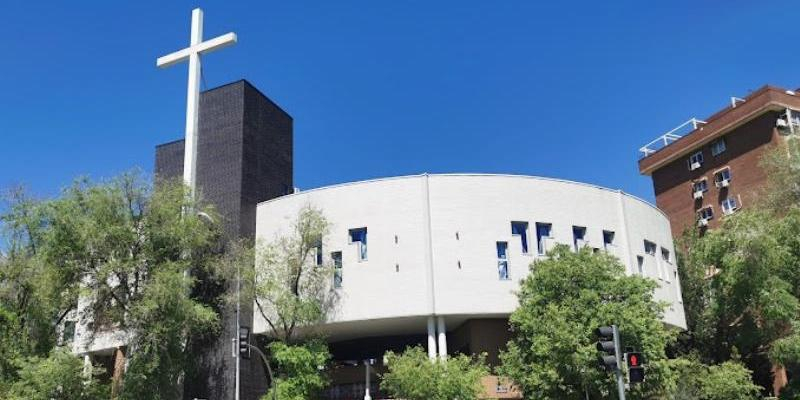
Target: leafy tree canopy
{"x": 60, "y": 376}
{"x": 124, "y": 247}
{"x": 562, "y": 301}
{"x": 299, "y": 366}
{"x": 413, "y": 376}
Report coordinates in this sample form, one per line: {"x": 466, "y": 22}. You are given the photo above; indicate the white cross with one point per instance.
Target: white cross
{"x": 192, "y": 53}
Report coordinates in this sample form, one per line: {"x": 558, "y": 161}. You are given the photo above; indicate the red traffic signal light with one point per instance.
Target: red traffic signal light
{"x": 634, "y": 360}
{"x": 635, "y": 367}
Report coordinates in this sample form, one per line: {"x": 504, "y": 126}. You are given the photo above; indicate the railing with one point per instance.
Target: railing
{"x": 669, "y": 137}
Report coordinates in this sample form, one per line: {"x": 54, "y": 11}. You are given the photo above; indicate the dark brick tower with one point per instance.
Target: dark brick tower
{"x": 244, "y": 157}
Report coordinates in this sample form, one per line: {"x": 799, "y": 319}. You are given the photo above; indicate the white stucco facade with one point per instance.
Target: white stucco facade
{"x": 432, "y": 244}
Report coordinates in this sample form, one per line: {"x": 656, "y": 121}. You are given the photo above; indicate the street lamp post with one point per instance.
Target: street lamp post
{"x": 367, "y": 363}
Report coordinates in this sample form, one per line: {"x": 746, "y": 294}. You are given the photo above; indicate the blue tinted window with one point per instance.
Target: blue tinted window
{"x": 521, "y": 229}
{"x": 502, "y": 260}
{"x": 542, "y": 232}
{"x": 359, "y": 235}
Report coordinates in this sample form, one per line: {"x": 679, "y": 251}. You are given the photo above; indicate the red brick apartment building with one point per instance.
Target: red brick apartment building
{"x": 714, "y": 170}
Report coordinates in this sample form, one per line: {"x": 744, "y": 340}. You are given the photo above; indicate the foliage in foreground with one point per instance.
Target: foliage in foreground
{"x": 292, "y": 293}
{"x": 299, "y": 370}
{"x": 290, "y": 290}
{"x": 60, "y": 376}
{"x": 413, "y": 376}
{"x": 744, "y": 296}
{"x": 128, "y": 245}
{"x": 564, "y": 298}
{"x": 727, "y": 381}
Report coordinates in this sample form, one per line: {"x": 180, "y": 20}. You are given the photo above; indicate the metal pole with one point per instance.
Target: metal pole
{"x": 366, "y": 391}
{"x": 269, "y": 370}
{"x": 238, "y": 325}
{"x": 618, "y": 353}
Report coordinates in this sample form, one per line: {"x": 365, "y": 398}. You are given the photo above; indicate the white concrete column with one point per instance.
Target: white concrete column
{"x": 87, "y": 365}
{"x": 442, "y": 338}
{"x": 431, "y": 338}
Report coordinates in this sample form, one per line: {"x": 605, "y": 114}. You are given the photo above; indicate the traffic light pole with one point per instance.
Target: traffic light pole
{"x": 618, "y": 353}
{"x": 269, "y": 370}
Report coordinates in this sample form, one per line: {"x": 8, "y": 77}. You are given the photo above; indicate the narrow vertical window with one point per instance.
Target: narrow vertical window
{"x": 68, "y": 334}
{"x": 542, "y": 234}
{"x": 318, "y": 255}
{"x": 520, "y": 229}
{"x": 336, "y": 257}
{"x": 359, "y": 236}
{"x": 640, "y": 264}
{"x": 695, "y": 161}
{"x": 608, "y": 239}
{"x": 578, "y": 237}
{"x": 502, "y": 260}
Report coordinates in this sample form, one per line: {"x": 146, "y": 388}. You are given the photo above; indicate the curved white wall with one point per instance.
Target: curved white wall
{"x": 441, "y": 221}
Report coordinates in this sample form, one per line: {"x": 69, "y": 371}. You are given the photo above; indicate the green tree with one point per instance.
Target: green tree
{"x": 782, "y": 167}
{"x": 293, "y": 294}
{"x": 727, "y": 381}
{"x": 124, "y": 247}
{"x": 566, "y": 296}
{"x": 290, "y": 290}
{"x": 298, "y": 369}
{"x": 413, "y": 376}
{"x": 741, "y": 282}
{"x": 60, "y": 376}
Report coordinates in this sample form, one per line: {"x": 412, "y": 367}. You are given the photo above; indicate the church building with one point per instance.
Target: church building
{"x": 428, "y": 260}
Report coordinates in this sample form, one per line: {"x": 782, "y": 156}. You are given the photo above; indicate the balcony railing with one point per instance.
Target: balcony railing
{"x": 669, "y": 137}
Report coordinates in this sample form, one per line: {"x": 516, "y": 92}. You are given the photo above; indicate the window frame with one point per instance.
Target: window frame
{"x": 523, "y": 237}
{"x": 608, "y": 234}
{"x": 575, "y": 230}
{"x": 362, "y": 245}
{"x": 640, "y": 264}
{"x": 729, "y": 210}
{"x": 668, "y": 254}
{"x": 715, "y": 151}
{"x": 318, "y": 259}
{"x": 701, "y": 212}
{"x": 695, "y": 183}
{"x": 502, "y": 261}
{"x": 648, "y": 245}
{"x": 540, "y": 240}
{"x": 695, "y": 157}
{"x": 338, "y": 269}
{"x": 720, "y": 172}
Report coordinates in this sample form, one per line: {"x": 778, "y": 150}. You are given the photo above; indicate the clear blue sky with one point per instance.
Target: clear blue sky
{"x": 381, "y": 88}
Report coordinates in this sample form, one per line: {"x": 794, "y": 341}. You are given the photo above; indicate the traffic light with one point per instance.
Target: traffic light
{"x": 608, "y": 346}
{"x": 635, "y": 367}
{"x": 244, "y": 342}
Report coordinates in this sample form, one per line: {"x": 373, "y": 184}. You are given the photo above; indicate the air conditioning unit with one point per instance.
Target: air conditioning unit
{"x": 702, "y": 222}
{"x": 698, "y": 195}
{"x": 695, "y": 165}
{"x": 782, "y": 123}
{"x": 723, "y": 183}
